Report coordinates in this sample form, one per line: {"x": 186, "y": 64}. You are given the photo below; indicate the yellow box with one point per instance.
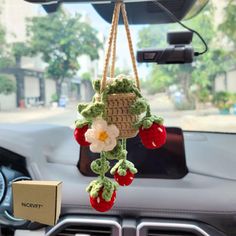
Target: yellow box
{"x": 38, "y": 201}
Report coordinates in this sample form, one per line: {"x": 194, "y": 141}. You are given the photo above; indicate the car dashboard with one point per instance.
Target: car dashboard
{"x": 201, "y": 203}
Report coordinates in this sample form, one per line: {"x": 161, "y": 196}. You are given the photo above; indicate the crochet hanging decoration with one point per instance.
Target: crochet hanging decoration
{"x": 113, "y": 116}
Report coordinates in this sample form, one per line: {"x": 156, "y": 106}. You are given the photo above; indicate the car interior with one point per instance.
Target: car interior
{"x": 184, "y": 188}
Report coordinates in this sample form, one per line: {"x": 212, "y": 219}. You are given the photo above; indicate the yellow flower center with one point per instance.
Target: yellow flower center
{"x": 103, "y": 136}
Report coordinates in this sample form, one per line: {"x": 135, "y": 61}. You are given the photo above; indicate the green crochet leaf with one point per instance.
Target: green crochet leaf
{"x": 123, "y": 155}
{"x": 131, "y": 167}
{"x": 94, "y": 187}
{"x": 121, "y": 84}
{"x": 122, "y": 166}
{"x": 90, "y": 186}
{"x": 100, "y": 166}
{"x": 137, "y": 92}
{"x": 137, "y": 125}
{"x": 121, "y": 171}
{"x": 116, "y": 153}
{"x": 108, "y": 188}
{"x": 82, "y": 123}
{"x": 82, "y": 106}
{"x": 116, "y": 166}
{"x": 93, "y": 110}
{"x": 96, "y": 85}
{"x": 147, "y": 122}
{"x": 106, "y": 185}
{"x": 139, "y": 106}
{"x": 159, "y": 120}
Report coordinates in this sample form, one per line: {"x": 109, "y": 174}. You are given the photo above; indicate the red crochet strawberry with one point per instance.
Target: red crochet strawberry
{"x": 124, "y": 180}
{"x": 79, "y": 135}
{"x": 99, "y": 204}
{"x": 153, "y": 137}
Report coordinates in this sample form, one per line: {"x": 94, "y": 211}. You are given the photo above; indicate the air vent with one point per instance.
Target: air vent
{"x": 169, "y": 233}
{"x": 86, "y": 226}
{"x": 163, "y": 228}
{"x": 85, "y": 230}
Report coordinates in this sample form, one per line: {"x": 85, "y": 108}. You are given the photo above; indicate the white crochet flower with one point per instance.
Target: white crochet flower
{"x": 102, "y": 136}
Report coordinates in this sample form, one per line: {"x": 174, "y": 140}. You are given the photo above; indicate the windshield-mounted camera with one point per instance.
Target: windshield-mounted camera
{"x": 179, "y": 50}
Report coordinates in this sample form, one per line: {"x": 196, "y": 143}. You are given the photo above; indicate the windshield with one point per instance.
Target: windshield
{"x": 48, "y": 64}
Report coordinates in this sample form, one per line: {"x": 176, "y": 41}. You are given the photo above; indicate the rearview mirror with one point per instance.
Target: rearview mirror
{"x": 139, "y": 12}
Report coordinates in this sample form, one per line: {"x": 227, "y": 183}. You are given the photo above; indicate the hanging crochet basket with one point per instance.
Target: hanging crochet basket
{"x": 117, "y": 111}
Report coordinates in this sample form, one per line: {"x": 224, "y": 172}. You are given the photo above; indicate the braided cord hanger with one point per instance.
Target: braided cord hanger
{"x": 112, "y": 46}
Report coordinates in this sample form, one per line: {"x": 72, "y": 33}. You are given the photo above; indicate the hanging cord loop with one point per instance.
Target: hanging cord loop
{"x": 112, "y": 46}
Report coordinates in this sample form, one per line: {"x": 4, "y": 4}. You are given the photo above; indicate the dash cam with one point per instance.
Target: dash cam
{"x": 179, "y": 51}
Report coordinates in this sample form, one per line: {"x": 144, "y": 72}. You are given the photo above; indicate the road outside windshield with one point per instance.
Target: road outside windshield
{"x": 48, "y": 63}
